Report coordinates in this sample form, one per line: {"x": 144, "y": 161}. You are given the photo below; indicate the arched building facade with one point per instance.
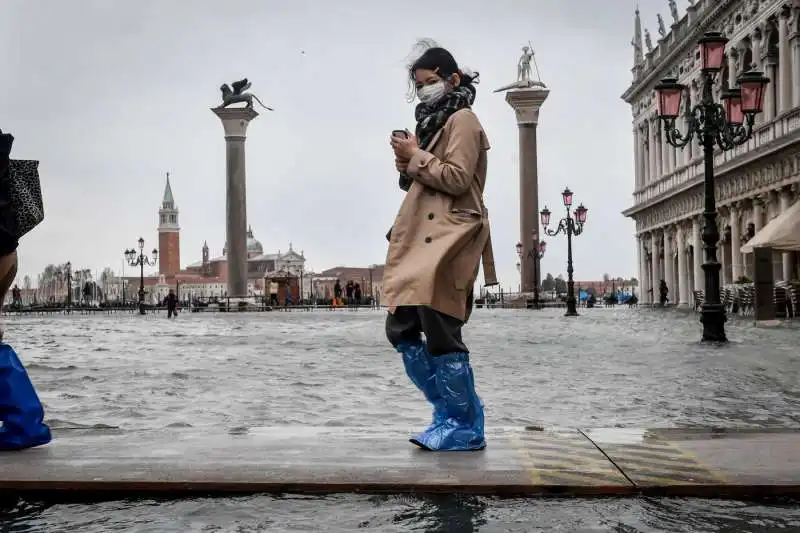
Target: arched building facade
{"x": 754, "y": 182}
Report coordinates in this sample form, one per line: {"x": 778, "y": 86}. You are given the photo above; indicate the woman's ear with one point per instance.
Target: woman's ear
{"x": 456, "y": 79}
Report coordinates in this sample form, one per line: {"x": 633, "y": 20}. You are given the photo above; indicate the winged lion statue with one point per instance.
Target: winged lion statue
{"x": 238, "y": 94}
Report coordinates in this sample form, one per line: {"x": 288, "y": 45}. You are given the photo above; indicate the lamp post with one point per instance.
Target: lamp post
{"x": 372, "y": 267}
{"x": 725, "y": 125}
{"x": 536, "y": 253}
{"x": 68, "y": 276}
{"x": 141, "y": 260}
{"x": 569, "y": 225}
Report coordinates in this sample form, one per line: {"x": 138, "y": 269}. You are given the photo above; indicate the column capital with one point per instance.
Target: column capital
{"x": 235, "y": 120}
{"x": 526, "y": 103}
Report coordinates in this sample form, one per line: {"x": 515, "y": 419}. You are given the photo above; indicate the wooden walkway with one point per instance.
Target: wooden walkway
{"x": 701, "y": 463}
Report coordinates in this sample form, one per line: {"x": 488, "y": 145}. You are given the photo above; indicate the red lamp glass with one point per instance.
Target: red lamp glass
{"x": 542, "y": 247}
{"x": 752, "y": 85}
{"x": 545, "y": 217}
{"x": 580, "y": 214}
{"x": 732, "y": 101}
{"x": 669, "y": 93}
{"x": 712, "y": 51}
{"x": 567, "y": 195}
{"x": 519, "y": 248}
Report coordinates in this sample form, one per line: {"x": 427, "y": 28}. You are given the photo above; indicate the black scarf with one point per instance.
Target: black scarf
{"x": 431, "y": 118}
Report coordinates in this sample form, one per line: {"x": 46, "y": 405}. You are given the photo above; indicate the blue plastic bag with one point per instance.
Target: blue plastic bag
{"x": 21, "y": 411}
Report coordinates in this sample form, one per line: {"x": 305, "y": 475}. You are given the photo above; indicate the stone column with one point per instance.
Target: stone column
{"x": 643, "y": 273}
{"x": 654, "y": 271}
{"x": 235, "y": 122}
{"x": 683, "y": 275}
{"x": 785, "y": 59}
{"x": 786, "y": 257}
{"x": 736, "y": 254}
{"x": 794, "y": 39}
{"x": 637, "y": 157}
{"x": 661, "y": 156}
{"x": 697, "y": 260}
{"x": 669, "y": 259}
{"x": 758, "y": 63}
{"x": 652, "y": 149}
{"x": 769, "y": 93}
{"x": 526, "y": 104}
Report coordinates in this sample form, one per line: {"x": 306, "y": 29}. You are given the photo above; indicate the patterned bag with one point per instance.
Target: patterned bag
{"x": 25, "y": 195}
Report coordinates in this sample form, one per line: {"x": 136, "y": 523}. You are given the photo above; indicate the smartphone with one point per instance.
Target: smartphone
{"x": 400, "y": 133}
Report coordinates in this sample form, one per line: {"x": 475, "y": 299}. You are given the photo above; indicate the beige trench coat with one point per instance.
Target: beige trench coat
{"x": 441, "y": 232}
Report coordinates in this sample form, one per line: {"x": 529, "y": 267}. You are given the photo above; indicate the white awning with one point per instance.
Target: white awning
{"x": 782, "y": 233}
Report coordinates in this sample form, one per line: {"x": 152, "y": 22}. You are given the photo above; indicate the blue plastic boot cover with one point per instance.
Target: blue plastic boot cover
{"x": 463, "y": 428}
{"x": 20, "y": 409}
{"x": 420, "y": 370}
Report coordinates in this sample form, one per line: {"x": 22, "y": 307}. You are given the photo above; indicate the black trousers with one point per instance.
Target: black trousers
{"x": 442, "y": 332}
{"x": 171, "y": 311}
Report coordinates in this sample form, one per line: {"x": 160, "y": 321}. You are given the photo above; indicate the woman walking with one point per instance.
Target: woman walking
{"x": 435, "y": 246}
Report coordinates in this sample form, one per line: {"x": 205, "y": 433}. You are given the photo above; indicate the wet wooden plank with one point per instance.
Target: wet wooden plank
{"x": 310, "y": 460}
{"x": 705, "y": 462}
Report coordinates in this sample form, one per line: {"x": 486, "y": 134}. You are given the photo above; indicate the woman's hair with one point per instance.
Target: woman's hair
{"x": 435, "y": 57}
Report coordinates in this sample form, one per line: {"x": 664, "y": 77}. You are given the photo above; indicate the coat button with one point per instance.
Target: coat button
{"x": 430, "y": 216}
{"x": 428, "y": 239}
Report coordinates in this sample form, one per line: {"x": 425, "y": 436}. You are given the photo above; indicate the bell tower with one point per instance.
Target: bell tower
{"x": 169, "y": 250}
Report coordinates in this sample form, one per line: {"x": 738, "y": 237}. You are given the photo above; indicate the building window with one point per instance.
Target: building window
{"x": 163, "y": 219}
{"x": 172, "y": 218}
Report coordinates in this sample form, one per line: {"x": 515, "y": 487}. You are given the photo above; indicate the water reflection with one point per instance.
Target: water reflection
{"x": 443, "y": 513}
{"x": 394, "y": 514}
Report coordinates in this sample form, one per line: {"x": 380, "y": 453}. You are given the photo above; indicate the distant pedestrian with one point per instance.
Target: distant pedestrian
{"x": 21, "y": 412}
{"x": 357, "y": 293}
{"x": 171, "y": 302}
{"x": 348, "y": 290}
{"x": 663, "y": 291}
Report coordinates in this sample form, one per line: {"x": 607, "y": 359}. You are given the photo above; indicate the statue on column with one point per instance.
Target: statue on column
{"x": 238, "y": 94}
{"x": 524, "y": 75}
{"x": 524, "y": 65}
{"x": 648, "y": 41}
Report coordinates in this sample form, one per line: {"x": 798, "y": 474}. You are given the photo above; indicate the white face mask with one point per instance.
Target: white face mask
{"x": 430, "y": 94}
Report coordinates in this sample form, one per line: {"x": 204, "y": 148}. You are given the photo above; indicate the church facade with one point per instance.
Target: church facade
{"x": 754, "y": 182}
{"x": 208, "y": 277}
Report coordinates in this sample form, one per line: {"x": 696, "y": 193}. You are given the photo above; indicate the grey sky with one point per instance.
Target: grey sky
{"x": 110, "y": 95}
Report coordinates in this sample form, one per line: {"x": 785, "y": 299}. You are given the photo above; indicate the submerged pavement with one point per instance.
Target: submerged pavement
{"x": 704, "y": 463}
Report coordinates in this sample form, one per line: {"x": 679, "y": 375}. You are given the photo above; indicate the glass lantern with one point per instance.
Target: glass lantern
{"x": 545, "y": 214}
{"x": 752, "y": 85}
{"x": 732, "y": 102}
{"x": 712, "y": 51}
{"x": 567, "y": 195}
{"x": 580, "y": 214}
{"x": 669, "y": 93}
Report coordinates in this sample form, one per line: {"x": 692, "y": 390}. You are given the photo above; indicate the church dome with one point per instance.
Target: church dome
{"x": 253, "y": 245}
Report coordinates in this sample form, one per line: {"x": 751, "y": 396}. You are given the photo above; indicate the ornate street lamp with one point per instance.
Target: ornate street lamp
{"x": 536, "y": 253}
{"x": 725, "y": 125}
{"x": 141, "y": 260}
{"x": 570, "y": 225}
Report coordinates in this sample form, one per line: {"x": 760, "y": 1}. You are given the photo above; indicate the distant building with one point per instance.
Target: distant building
{"x": 208, "y": 277}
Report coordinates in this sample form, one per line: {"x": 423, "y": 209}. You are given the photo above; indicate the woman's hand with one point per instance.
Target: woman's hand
{"x": 404, "y": 148}
{"x": 401, "y": 164}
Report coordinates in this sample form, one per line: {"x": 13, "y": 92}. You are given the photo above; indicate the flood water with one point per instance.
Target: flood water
{"x": 609, "y": 368}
